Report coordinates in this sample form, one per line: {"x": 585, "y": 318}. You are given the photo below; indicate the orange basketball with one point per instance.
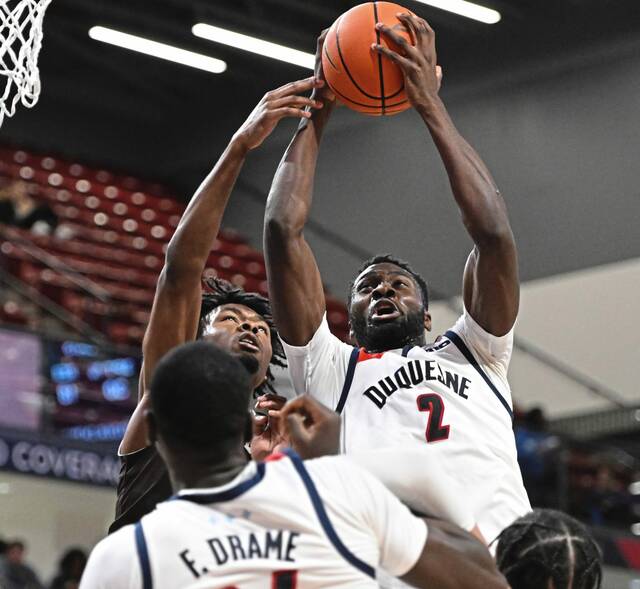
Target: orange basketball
{"x": 360, "y": 77}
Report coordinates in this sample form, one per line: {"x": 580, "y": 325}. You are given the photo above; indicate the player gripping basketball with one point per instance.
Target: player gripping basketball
{"x": 393, "y": 388}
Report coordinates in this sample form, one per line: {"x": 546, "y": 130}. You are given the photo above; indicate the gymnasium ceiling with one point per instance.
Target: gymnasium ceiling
{"x": 136, "y": 113}
{"x": 133, "y": 113}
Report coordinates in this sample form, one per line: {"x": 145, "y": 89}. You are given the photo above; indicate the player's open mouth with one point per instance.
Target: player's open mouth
{"x": 383, "y": 311}
{"x": 248, "y": 343}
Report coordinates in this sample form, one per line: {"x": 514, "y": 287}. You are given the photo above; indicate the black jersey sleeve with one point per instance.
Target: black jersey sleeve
{"x": 143, "y": 483}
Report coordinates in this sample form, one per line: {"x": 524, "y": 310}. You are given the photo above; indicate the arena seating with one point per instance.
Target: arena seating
{"x": 116, "y": 230}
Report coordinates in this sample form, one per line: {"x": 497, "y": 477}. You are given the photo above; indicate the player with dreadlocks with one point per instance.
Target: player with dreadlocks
{"x": 219, "y": 296}
{"x": 548, "y": 549}
{"x": 182, "y": 311}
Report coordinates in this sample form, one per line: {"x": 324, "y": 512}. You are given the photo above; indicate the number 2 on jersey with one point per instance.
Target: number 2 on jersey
{"x": 434, "y": 405}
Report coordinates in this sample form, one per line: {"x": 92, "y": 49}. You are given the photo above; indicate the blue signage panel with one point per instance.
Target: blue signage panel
{"x": 57, "y": 460}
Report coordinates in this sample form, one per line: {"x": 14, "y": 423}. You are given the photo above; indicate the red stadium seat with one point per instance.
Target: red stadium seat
{"x": 120, "y": 227}
{"x": 10, "y": 312}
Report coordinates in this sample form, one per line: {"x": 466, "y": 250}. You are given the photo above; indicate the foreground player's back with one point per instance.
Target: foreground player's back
{"x": 284, "y": 524}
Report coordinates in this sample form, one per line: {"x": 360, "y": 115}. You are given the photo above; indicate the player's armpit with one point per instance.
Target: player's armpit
{"x": 135, "y": 436}
{"x": 490, "y": 285}
{"x": 454, "y": 559}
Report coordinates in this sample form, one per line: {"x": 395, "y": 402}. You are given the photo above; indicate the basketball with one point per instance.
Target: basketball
{"x": 360, "y": 78}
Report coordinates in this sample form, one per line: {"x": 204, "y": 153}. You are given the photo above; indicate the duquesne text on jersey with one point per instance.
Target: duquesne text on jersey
{"x": 412, "y": 374}
{"x": 271, "y": 544}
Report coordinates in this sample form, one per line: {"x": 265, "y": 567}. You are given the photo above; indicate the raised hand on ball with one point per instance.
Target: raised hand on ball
{"x": 417, "y": 60}
{"x": 284, "y": 102}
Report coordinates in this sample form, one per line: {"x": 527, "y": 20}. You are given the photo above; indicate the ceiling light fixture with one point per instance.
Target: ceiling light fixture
{"x": 254, "y": 45}
{"x": 468, "y": 9}
{"x": 155, "y": 49}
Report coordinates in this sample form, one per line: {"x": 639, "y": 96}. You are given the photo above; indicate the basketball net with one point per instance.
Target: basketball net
{"x": 20, "y": 42}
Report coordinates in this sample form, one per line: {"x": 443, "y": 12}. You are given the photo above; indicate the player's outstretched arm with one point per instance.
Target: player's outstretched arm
{"x": 454, "y": 559}
{"x": 491, "y": 286}
{"x": 176, "y": 306}
{"x": 295, "y": 286}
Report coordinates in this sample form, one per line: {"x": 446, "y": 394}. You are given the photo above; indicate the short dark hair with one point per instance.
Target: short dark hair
{"x": 221, "y": 292}
{"x": 200, "y": 395}
{"x": 547, "y": 544}
{"x": 390, "y": 259}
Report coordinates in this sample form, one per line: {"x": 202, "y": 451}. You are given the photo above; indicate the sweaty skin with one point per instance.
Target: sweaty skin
{"x": 490, "y": 281}
{"x": 176, "y": 306}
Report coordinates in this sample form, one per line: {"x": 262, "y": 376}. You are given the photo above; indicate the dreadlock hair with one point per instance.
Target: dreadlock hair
{"x": 221, "y": 292}
{"x": 390, "y": 259}
{"x": 546, "y": 545}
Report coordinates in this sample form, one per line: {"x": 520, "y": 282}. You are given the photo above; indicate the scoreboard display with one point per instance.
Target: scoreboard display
{"x": 91, "y": 390}
{"x": 72, "y": 388}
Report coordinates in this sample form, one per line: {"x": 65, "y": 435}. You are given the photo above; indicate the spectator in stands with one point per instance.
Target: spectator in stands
{"x": 70, "y": 569}
{"x": 7, "y": 212}
{"x": 607, "y": 499}
{"x": 19, "y": 208}
{"x": 14, "y": 573}
{"x": 535, "y": 446}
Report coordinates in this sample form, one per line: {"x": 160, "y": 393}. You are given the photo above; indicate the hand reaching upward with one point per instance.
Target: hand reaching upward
{"x": 418, "y": 61}
{"x": 275, "y": 106}
{"x": 322, "y": 91}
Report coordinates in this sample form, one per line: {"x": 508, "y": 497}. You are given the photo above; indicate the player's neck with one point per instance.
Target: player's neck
{"x": 192, "y": 472}
{"x": 415, "y": 341}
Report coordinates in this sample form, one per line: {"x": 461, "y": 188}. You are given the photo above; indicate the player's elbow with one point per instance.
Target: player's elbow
{"x": 491, "y": 235}
{"x": 474, "y": 566}
{"x": 281, "y": 228}
{"x": 494, "y": 579}
{"x": 501, "y": 582}
{"x": 178, "y": 268}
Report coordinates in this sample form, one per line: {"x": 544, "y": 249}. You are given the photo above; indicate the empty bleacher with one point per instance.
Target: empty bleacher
{"x": 103, "y": 266}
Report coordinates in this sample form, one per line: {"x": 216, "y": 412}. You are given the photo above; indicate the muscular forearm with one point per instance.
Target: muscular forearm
{"x": 292, "y": 189}
{"x": 295, "y": 286}
{"x": 474, "y": 189}
{"x": 191, "y": 243}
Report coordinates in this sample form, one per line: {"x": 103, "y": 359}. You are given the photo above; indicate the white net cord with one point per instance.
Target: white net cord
{"x": 20, "y": 42}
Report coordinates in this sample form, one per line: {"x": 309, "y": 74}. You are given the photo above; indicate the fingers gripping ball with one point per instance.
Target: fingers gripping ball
{"x": 361, "y": 78}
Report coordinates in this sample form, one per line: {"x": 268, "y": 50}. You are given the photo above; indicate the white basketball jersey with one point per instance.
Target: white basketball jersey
{"x": 452, "y": 396}
{"x": 282, "y": 524}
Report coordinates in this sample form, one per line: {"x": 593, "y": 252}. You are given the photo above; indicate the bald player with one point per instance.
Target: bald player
{"x": 394, "y": 388}
{"x": 285, "y": 523}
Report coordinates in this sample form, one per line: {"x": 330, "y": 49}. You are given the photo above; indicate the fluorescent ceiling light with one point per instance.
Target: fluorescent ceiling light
{"x": 168, "y": 52}
{"x": 247, "y": 43}
{"x": 468, "y": 9}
